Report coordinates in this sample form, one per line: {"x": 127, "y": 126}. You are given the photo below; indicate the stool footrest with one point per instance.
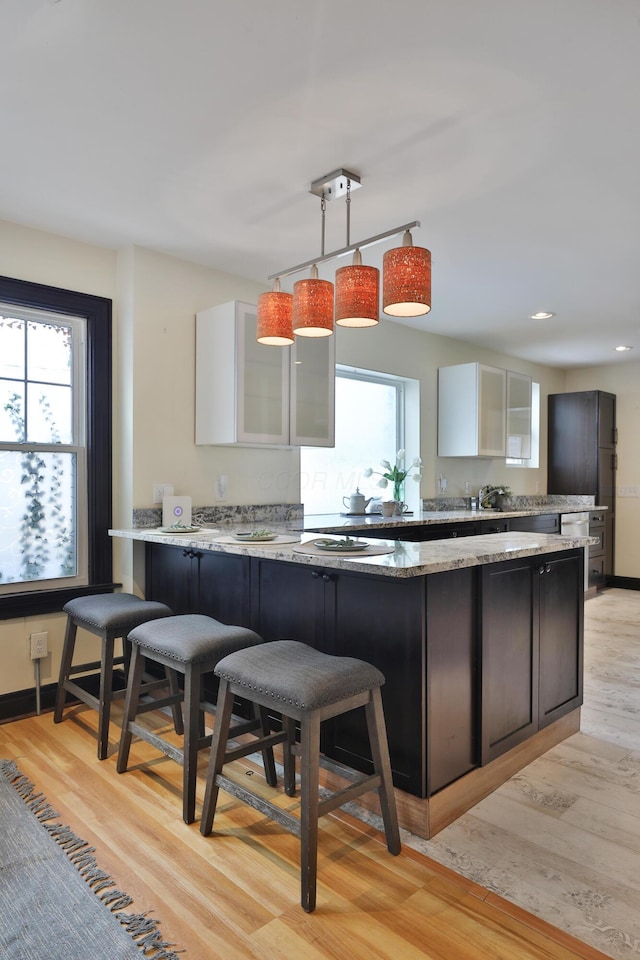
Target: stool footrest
{"x": 95, "y": 665}
{"x": 286, "y": 820}
{"x": 244, "y": 749}
{"x": 340, "y": 797}
{"x": 159, "y": 703}
{"x": 82, "y": 694}
{"x": 174, "y": 753}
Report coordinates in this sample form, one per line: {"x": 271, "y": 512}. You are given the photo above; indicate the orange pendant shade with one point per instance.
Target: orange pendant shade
{"x": 406, "y": 283}
{"x": 313, "y": 308}
{"x": 357, "y": 296}
{"x": 275, "y": 315}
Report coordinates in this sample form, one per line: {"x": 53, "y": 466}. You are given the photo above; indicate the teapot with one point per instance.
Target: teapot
{"x": 356, "y": 503}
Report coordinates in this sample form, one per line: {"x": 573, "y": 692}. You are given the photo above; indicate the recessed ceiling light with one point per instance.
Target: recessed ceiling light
{"x": 541, "y": 315}
{"x": 622, "y": 349}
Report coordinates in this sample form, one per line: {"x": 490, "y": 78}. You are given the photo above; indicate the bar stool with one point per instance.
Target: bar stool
{"x": 307, "y": 686}
{"x": 108, "y": 616}
{"x": 191, "y": 645}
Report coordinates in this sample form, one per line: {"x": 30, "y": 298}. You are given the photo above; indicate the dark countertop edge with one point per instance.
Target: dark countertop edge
{"x": 318, "y": 523}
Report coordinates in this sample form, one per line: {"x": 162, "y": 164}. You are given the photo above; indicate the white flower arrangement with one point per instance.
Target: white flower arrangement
{"x": 396, "y": 474}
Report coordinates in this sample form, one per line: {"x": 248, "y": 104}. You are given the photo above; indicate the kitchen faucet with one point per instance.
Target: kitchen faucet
{"x": 482, "y": 493}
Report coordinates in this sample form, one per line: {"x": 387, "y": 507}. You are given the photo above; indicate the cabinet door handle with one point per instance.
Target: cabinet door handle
{"x": 547, "y": 568}
{"x": 541, "y": 569}
{"x": 187, "y": 553}
{"x": 315, "y": 574}
{"x": 326, "y": 577}
{"x": 454, "y": 533}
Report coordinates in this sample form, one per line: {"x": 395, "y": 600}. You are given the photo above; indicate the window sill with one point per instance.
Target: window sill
{"x": 14, "y": 605}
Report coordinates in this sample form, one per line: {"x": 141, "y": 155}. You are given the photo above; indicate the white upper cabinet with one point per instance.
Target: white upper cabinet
{"x": 472, "y": 410}
{"x": 313, "y": 389}
{"x": 518, "y": 416}
{"x": 248, "y": 393}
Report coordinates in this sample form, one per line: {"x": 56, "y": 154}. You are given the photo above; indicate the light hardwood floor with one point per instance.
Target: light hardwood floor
{"x": 235, "y": 894}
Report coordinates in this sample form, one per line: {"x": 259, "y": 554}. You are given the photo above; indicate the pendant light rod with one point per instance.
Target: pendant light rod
{"x": 369, "y": 242}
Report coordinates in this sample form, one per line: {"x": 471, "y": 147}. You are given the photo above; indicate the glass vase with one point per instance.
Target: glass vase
{"x": 398, "y": 496}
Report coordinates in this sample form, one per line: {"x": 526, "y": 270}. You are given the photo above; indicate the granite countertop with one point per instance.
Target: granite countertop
{"x": 402, "y": 560}
{"x": 331, "y": 521}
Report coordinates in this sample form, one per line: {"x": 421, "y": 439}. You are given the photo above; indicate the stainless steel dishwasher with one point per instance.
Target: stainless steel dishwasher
{"x": 577, "y": 525}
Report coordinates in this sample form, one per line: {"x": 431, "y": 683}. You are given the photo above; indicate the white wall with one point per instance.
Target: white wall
{"x": 46, "y": 258}
{"x": 404, "y": 351}
{"x": 623, "y": 379}
{"x": 155, "y": 301}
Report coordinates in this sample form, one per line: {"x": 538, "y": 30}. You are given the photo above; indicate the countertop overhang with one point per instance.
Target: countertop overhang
{"x": 405, "y": 559}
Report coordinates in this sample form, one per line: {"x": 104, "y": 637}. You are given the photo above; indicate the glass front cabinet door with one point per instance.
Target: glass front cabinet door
{"x": 252, "y": 394}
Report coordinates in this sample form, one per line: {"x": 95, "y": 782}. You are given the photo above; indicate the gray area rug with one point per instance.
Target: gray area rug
{"x": 55, "y": 902}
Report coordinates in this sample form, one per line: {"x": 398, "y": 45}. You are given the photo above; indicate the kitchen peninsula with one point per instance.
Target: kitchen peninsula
{"x": 480, "y": 640}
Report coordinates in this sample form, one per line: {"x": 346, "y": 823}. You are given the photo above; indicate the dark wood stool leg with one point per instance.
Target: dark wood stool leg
{"x": 130, "y": 706}
{"x": 309, "y": 786}
{"x": 65, "y": 667}
{"x": 262, "y": 716}
{"x": 289, "y": 757}
{"x": 106, "y": 691}
{"x": 176, "y": 709}
{"x": 224, "y": 709}
{"x": 192, "y": 729}
{"x": 382, "y": 765}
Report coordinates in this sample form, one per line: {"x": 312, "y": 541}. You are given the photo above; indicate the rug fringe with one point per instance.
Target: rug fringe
{"x": 142, "y": 929}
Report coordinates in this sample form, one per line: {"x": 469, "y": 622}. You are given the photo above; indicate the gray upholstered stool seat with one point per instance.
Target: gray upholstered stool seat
{"x": 108, "y": 616}
{"x": 307, "y": 686}
{"x": 191, "y": 645}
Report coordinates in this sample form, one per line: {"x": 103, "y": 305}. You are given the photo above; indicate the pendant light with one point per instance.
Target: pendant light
{"x": 406, "y": 280}
{"x": 313, "y": 306}
{"x": 275, "y": 317}
{"x": 357, "y": 294}
{"x": 357, "y": 287}
{"x": 406, "y": 283}
{"x": 313, "y": 298}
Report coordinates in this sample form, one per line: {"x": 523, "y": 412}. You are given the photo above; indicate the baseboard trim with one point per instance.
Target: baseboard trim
{"x": 625, "y": 583}
{"x": 426, "y": 817}
{"x": 22, "y": 703}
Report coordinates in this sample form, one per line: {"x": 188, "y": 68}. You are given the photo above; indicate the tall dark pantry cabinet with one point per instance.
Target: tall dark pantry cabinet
{"x": 582, "y": 460}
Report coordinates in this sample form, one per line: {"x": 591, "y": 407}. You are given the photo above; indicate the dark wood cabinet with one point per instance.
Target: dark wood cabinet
{"x": 452, "y": 677}
{"x": 542, "y": 523}
{"x": 199, "y": 581}
{"x": 532, "y": 642}
{"x": 377, "y": 619}
{"x": 560, "y": 615}
{"x": 476, "y": 659}
{"x": 597, "y": 551}
{"x": 418, "y": 532}
{"x": 581, "y": 454}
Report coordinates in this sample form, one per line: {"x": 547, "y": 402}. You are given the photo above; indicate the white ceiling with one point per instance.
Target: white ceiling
{"x": 509, "y": 128}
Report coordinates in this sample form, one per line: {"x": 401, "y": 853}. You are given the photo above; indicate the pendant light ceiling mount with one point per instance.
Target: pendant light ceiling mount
{"x": 335, "y": 185}
{"x": 406, "y": 279}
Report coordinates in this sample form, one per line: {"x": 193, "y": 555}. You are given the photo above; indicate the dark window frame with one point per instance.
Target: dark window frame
{"x": 97, "y": 312}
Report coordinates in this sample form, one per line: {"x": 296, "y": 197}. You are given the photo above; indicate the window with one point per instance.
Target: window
{"x": 42, "y": 461}
{"x": 55, "y": 446}
{"x": 370, "y": 426}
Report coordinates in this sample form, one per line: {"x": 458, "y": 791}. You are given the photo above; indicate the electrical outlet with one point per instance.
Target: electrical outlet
{"x": 221, "y": 486}
{"x": 39, "y": 645}
{"x": 161, "y": 490}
